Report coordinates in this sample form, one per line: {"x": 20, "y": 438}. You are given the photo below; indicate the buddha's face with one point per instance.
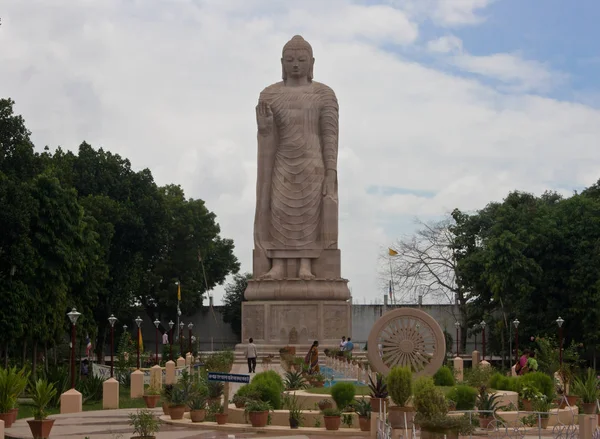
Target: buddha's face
{"x": 296, "y": 63}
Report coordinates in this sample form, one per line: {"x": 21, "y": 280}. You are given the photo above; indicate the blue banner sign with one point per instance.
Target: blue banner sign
{"x": 228, "y": 377}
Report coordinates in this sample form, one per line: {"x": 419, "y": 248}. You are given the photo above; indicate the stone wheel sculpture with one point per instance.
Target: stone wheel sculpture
{"x": 406, "y": 337}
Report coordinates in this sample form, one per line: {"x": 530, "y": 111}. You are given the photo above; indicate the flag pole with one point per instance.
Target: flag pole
{"x": 393, "y": 296}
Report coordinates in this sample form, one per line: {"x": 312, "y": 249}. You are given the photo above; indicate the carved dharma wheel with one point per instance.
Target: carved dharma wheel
{"x": 406, "y": 337}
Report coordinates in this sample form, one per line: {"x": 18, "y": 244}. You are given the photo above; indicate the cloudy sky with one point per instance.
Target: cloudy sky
{"x": 443, "y": 103}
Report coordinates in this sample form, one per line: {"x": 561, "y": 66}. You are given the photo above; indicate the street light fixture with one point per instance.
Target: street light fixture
{"x": 138, "y": 322}
{"x": 559, "y": 322}
{"x": 457, "y": 325}
{"x": 157, "y": 324}
{"x": 171, "y": 324}
{"x": 112, "y": 320}
{"x": 73, "y": 316}
{"x": 483, "y": 325}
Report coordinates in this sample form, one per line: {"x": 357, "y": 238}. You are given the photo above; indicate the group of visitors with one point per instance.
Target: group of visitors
{"x": 527, "y": 363}
{"x": 346, "y": 345}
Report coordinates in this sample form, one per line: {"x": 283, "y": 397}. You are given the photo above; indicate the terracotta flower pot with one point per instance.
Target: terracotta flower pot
{"x": 151, "y": 400}
{"x": 572, "y": 400}
{"x": 15, "y": 413}
{"x": 365, "y": 423}
{"x": 198, "y": 415}
{"x": 221, "y": 418}
{"x": 176, "y": 412}
{"x": 325, "y": 405}
{"x": 259, "y": 419}
{"x": 7, "y": 418}
{"x": 484, "y": 421}
{"x": 544, "y": 423}
{"x": 397, "y": 419}
{"x": 589, "y": 408}
{"x": 41, "y": 429}
{"x": 527, "y": 405}
{"x": 165, "y": 407}
{"x": 376, "y": 403}
{"x": 332, "y": 422}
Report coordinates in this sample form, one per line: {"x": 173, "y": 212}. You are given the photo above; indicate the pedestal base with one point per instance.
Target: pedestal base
{"x": 110, "y": 394}
{"x": 137, "y": 384}
{"x": 297, "y": 289}
{"x": 170, "y": 372}
{"x": 296, "y": 322}
{"x": 70, "y": 402}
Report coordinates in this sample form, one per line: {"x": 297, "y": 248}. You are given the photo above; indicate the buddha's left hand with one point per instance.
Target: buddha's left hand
{"x": 329, "y": 186}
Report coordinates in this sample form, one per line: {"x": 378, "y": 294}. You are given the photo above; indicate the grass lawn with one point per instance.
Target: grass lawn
{"x": 125, "y": 402}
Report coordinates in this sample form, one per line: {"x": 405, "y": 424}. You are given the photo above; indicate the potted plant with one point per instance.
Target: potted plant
{"x": 487, "y": 404}
{"x": 586, "y": 388}
{"x": 325, "y": 404}
{"x": 197, "y": 406}
{"x": 258, "y": 412}
{"x": 215, "y": 391}
{"x": 144, "y": 424}
{"x": 541, "y": 404}
{"x": 166, "y": 397}
{"x": 565, "y": 374}
{"x": 362, "y": 407}
{"x": 151, "y": 397}
{"x": 332, "y": 418}
{"x": 528, "y": 394}
{"x": 295, "y": 409}
{"x": 220, "y": 415}
{"x": 432, "y": 413}
{"x": 12, "y": 384}
{"x": 379, "y": 393}
{"x": 42, "y": 393}
{"x": 399, "y": 386}
{"x": 179, "y": 401}
{"x": 317, "y": 380}
{"x": 294, "y": 381}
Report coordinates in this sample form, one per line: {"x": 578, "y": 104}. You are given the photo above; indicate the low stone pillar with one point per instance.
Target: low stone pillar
{"x": 188, "y": 359}
{"x": 170, "y": 372}
{"x": 475, "y": 359}
{"x": 71, "y": 402}
{"x": 458, "y": 368}
{"x": 587, "y": 426}
{"x": 156, "y": 377}
{"x": 484, "y": 363}
{"x": 137, "y": 384}
{"x": 110, "y": 394}
{"x": 180, "y": 362}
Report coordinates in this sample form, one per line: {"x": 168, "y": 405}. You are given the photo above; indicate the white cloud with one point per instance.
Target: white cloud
{"x": 447, "y": 13}
{"x": 445, "y": 44}
{"x": 172, "y": 86}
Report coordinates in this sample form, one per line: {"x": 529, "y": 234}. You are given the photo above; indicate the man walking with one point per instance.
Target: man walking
{"x": 251, "y": 356}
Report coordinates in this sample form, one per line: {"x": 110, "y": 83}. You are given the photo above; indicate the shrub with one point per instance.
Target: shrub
{"x": 429, "y": 401}
{"x": 270, "y": 376}
{"x": 444, "y": 377}
{"x": 343, "y": 394}
{"x": 540, "y": 382}
{"x": 478, "y": 376}
{"x": 499, "y": 382}
{"x": 267, "y": 386}
{"x": 464, "y": 396}
{"x": 399, "y": 383}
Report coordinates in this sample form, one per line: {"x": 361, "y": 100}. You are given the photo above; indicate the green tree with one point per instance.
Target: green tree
{"x": 232, "y": 301}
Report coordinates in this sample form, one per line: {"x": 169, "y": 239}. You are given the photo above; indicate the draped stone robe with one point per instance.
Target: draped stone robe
{"x": 293, "y": 218}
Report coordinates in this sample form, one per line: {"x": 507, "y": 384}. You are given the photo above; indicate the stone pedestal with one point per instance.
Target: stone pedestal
{"x": 137, "y": 384}
{"x": 458, "y": 368}
{"x": 188, "y": 359}
{"x": 587, "y": 426}
{"x": 110, "y": 394}
{"x": 296, "y": 322}
{"x": 484, "y": 363}
{"x": 156, "y": 377}
{"x": 475, "y": 359}
{"x": 70, "y": 402}
{"x": 180, "y": 362}
{"x": 170, "y": 372}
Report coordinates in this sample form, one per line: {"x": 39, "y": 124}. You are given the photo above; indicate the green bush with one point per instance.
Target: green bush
{"x": 478, "y": 376}
{"x": 444, "y": 377}
{"x": 538, "y": 381}
{"x": 343, "y": 394}
{"x": 268, "y": 386}
{"x": 429, "y": 401}
{"x": 270, "y": 376}
{"x": 499, "y": 382}
{"x": 464, "y": 396}
{"x": 399, "y": 384}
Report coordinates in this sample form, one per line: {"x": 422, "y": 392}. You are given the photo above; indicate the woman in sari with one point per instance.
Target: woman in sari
{"x": 312, "y": 358}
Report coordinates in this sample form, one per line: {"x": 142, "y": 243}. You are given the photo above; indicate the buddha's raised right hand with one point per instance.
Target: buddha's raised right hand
{"x": 264, "y": 117}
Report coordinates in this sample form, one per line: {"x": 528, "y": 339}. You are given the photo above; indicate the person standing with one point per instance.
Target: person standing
{"x": 251, "y": 356}
{"x": 165, "y": 338}
{"x": 312, "y": 359}
{"x": 349, "y": 345}
{"x": 343, "y": 343}
{"x": 521, "y": 366}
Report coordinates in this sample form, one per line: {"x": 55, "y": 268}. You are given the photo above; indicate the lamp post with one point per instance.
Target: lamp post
{"x": 138, "y": 322}
{"x": 190, "y": 326}
{"x": 181, "y": 325}
{"x": 457, "y": 325}
{"x": 156, "y": 323}
{"x": 73, "y": 316}
{"x": 112, "y": 320}
{"x": 559, "y": 322}
{"x": 171, "y": 339}
{"x": 482, "y": 324}
{"x": 516, "y": 323}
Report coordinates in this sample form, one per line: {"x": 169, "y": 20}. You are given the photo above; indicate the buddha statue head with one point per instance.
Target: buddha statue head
{"x": 297, "y": 59}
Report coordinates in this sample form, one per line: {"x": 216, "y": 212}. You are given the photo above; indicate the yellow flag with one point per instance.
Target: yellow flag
{"x": 140, "y": 340}
{"x": 179, "y": 292}
{"x": 392, "y": 252}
